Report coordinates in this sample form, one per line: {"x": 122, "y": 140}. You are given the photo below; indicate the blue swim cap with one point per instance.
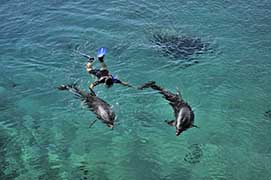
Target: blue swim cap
{"x": 101, "y": 52}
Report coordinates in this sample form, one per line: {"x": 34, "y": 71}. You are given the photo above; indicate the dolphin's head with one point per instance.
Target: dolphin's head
{"x": 177, "y": 124}
{"x": 179, "y": 130}
{"x": 184, "y": 120}
{"x": 180, "y": 122}
{"x": 107, "y": 115}
{"x": 110, "y": 124}
{"x": 111, "y": 119}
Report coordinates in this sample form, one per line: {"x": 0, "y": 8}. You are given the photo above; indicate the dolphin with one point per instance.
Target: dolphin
{"x": 99, "y": 107}
{"x": 184, "y": 115}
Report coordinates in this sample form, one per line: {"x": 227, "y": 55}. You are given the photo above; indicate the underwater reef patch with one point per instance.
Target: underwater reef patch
{"x": 7, "y": 170}
{"x": 194, "y": 155}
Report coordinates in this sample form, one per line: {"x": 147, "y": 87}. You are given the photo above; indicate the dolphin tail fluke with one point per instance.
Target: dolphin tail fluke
{"x": 68, "y": 87}
{"x": 147, "y": 85}
{"x": 62, "y": 87}
{"x": 151, "y": 84}
{"x": 73, "y": 89}
{"x": 167, "y": 95}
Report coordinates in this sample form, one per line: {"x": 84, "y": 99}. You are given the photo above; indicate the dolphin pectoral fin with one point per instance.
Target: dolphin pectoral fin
{"x": 110, "y": 126}
{"x": 171, "y": 123}
{"x": 92, "y": 123}
{"x": 194, "y": 126}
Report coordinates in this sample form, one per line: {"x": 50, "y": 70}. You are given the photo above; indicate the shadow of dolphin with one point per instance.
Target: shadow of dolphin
{"x": 184, "y": 115}
{"x": 99, "y": 107}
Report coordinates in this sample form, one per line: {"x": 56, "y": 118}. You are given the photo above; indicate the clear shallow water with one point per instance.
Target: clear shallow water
{"x": 44, "y": 133}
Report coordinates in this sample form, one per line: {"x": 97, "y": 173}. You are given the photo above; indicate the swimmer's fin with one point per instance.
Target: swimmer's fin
{"x": 101, "y": 52}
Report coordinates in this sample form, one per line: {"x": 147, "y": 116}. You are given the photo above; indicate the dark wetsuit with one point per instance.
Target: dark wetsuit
{"x": 99, "y": 73}
{"x": 102, "y": 75}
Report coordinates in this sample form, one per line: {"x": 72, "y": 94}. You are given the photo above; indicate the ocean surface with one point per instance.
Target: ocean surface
{"x": 45, "y": 134}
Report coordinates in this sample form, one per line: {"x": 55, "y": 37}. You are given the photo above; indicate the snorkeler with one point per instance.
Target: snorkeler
{"x": 102, "y": 74}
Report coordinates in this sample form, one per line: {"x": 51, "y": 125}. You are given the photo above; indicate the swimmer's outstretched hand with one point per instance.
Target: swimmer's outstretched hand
{"x": 127, "y": 84}
{"x": 131, "y": 86}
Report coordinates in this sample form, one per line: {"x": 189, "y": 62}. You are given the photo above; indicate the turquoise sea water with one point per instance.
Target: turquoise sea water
{"x": 44, "y": 133}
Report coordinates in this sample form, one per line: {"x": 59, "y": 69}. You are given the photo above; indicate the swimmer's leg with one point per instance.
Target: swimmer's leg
{"x": 103, "y": 65}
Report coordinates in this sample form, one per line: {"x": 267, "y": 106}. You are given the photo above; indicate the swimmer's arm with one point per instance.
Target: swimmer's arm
{"x": 126, "y": 84}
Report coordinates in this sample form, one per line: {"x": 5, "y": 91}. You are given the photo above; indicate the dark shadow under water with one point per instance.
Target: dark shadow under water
{"x": 184, "y": 49}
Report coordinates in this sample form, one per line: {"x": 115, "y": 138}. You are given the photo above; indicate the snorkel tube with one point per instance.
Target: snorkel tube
{"x": 90, "y": 59}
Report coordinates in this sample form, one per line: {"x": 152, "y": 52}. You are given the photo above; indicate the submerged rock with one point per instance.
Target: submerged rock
{"x": 179, "y": 47}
